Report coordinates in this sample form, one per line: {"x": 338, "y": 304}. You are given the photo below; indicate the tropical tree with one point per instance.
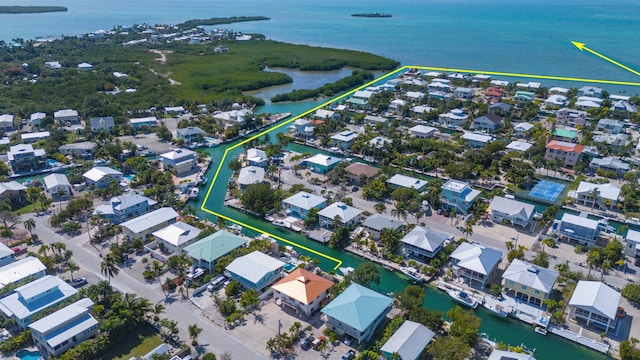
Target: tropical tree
{"x": 250, "y": 300}
{"x": 71, "y": 267}
{"x": 29, "y": 225}
{"x": 109, "y": 268}
{"x": 400, "y": 211}
{"x": 550, "y": 242}
{"x": 194, "y": 331}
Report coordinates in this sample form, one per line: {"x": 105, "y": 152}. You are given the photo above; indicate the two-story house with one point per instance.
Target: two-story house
{"x": 205, "y": 252}
{"x": 124, "y": 207}
{"x": 530, "y": 283}
{"x": 66, "y": 117}
{"x": 344, "y": 140}
{"x": 423, "y": 242}
{"x": 191, "y": 134}
{"x": 595, "y": 303}
{"x": 144, "y": 225}
{"x": 375, "y": 223}
{"x": 101, "y": 176}
{"x": 458, "y": 195}
{"x": 487, "y": 122}
{"x": 511, "y": 211}
{"x": 302, "y": 129}
{"x": 604, "y": 196}
{"x": 568, "y": 153}
{"x": 475, "y": 263}
{"x": 300, "y": 204}
{"x": 302, "y": 291}
{"x": 180, "y": 161}
{"x": 24, "y": 158}
{"x": 255, "y": 271}
{"x": 571, "y": 117}
{"x": 578, "y": 228}
{"x": 102, "y": 124}
{"x": 344, "y": 214}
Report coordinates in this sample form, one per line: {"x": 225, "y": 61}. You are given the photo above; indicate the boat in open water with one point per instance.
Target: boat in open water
{"x": 463, "y": 298}
{"x": 412, "y": 273}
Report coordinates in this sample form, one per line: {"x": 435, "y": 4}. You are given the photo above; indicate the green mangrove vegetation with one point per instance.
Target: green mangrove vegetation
{"x": 190, "y": 24}
{"x": 30, "y": 9}
{"x": 357, "y": 78}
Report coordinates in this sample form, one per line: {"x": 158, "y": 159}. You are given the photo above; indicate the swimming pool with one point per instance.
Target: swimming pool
{"x": 28, "y": 355}
{"x": 289, "y": 267}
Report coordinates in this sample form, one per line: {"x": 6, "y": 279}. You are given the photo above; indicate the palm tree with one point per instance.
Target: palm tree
{"x": 71, "y": 267}
{"x": 194, "y": 331}
{"x": 510, "y": 246}
{"x": 467, "y": 230}
{"x": 594, "y": 195}
{"x": 563, "y": 268}
{"x": 606, "y": 265}
{"x": 550, "y": 242}
{"x": 619, "y": 263}
{"x": 400, "y": 211}
{"x": 109, "y": 268}
{"x": 157, "y": 310}
{"x": 29, "y": 224}
{"x": 418, "y": 215}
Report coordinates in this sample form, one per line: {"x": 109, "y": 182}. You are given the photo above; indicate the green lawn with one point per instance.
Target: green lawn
{"x": 135, "y": 345}
{"x": 31, "y": 208}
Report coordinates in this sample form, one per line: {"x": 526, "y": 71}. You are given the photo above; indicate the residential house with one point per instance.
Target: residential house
{"x": 321, "y": 163}
{"x": 423, "y": 242}
{"x": 565, "y": 134}
{"x": 360, "y": 99}
{"x": 345, "y": 215}
{"x": 360, "y": 174}
{"x": 494, "y": 94}
{"x": 613, "y": 142}
{"x": 206, "y": 251}
{"x": 453, "y": 119}
{"x": 102, "y": 124}
{"x": 28, "y": 268}
{"x": 326, "y": 114}
{"x": 571, "y": 117}
{"x": 568, "y": 153}
{"x": 458, "y": 195}
{"x": 379, "y": 142}
{"x": 556, "y": 100}
{"x": 344, "y": 140}
{"x": 58, "y": 186}
{"x": 36, "y": 118}
{"x": 302, "y": 291}
{"x": 509, "y": 355}
{"x": 609, "y": 163}
{"x": 27, "y": 301}
{"x": 302, "y": 129}
{"x": 175, "y": 237}
{"x": 414, "y": 96}
{"x": 101, "y": 176}
{"x": 529, "y": 85}
{"x": 487, "y": 122}
{"x": 357, "y": 312}
{"x": 23, "y": 158}
{"x": 144, "y": 225}
{"x": 375, "y": 223}
{"x": 604, "y": 196}
{"x": 7, "y": 255}
{"x": 191, "y": 134}
{"x": 408, "y": 342}
{"x": 594, "y": 303}
{"x": 374, "y": 120}
{"x": 85, "y": 66}
{"x": 13, "y": 192}
{"x": 632, "y": 243}
{"x": 439, "y": 86}
{"x": 474, "y": 262}
{"x": 407, "y": 182}
{"x": 500, "y": 108}
{"x": 522, "y": 129}
{"x": 519, "y": 146}
{"x": 35, "y": 136}
{"x": 255, "y": 270}
{"x": 64, "y": 329}
{"x": 623, "y": 108}
{"x": 588, "y": 102}
{"x": 139, "y": 123}
{"x": 53, "y": 65}
{"x": 558, "y": 90}
{"x": 175, "y": 110}
{"x": 523, "y": 96}
{"x": 420, "y": 110}
{"x": 499, "y": 83}
{"x": 180, "y": 161}
{"x": 422, "y": 131}
{"x": 66, "y": 117}
{"x": 300, "y": 204}
{"x": 396, "y": 105}
{"x": 250, "y": 175}
{"x": 578, "y": 228}
{"x": 590, "y": 91}
{"x": 610, "y": 126}
{"x": 124, "y": 207}
{"x": 257, "y": 157}
{"x": 463, "y": 93}
{"x": 530, "y": 283}
{"x": 6, "y": 123}
{"x": 82, "y": 150}
{"x": 511, "y": 211}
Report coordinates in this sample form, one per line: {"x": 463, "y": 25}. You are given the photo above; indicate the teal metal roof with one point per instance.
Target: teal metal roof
{"x": 214, "y": 246}
{"x": 357, "y": 306}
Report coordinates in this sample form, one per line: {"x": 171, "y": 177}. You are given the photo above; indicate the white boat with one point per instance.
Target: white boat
{"x": 540, "y": 330}
{"x": 193, "y": 193}
{"x": 496, "y": 309}
{"x": 346, "y": 270}
{"x": 412, "y": 273}
{"x": 463, "y": 298}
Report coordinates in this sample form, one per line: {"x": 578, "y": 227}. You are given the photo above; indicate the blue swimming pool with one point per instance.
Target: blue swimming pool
{"x": 52, "y": 162}
{"x": 128, "y": 177}
{"x": 289, "y": 267}
{"x": 28, "y": 355}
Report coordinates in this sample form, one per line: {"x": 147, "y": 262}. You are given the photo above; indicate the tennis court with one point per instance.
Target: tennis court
{"x": 547, "y": 190}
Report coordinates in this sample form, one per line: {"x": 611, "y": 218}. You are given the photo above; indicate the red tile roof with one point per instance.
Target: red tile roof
{"x": 565, "y": 146}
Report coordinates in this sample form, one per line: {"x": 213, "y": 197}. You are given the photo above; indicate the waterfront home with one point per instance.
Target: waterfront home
{"x": 523, "y": 96}
{"x": 529, "y": 85}
{"x": 36, "y": 118}
{"x": 519, "y": 146}
{"x": 139, "y": 123}
{"x": 326, "y": 114}
{"x": 571, "y": 117}
{"x": 509, "y": 355}
{"x": 357, "y": 312}
{"x": 623, "y": 108}
{"x": 205, "y": 252}
{"x": 586, "y": 104}
{"x": 66, "y": 117}
{"x": 613, "y": 142}
{"x": 344, "y": 140}
{"x": 64, "y": 329}
{"x": 439, "y": 85}
{"x": 27, "y": 301}
{"x": 300, "y": 204}
{"x": 257, "y": 157}
{"x": 180, "y": 161}
{"x": 558, "y": 90}
{"x": 458, "y": 195}
{"x": 565, "y": 134}
{"x": 374, "y": 120}
{"x": 7, "y": 255}
{"x": 360, "y": 174}
{"x": 499, "y": 83}
{"x": 500, "y": 108}
{"x": 85, "y": 66}
{"x": 487, "y": 122}
{"x": 408, "y": 342}
{"x": 360, "y": 99}
{"x": 302, "y": 291}
{"x": 556, "y": 100}
{"x": 604, "y": 196}
{"x": 578, "y": 228}
{"x": 30, "y": 267}
{"x": 35, "y": 136}
{"x": 250, "y": 175}
{"x": 632, "y": 243}
{"x": 609, "y": 163}
{"x": 530, "y": 283}
{"x": 82, "y": 150}
{"x": 407, "y": 182}
{"x": 568, "y": 153}
{"x": 453, "y": 119}
{"x": 610, "y": 126}
{"x": 124, "y": 207}
{"x": 344, "y": 214}
{"x": 591, "y": 91}
{"x": 13, "y": 192}
{"x": 477, "y": 140}
{"x": 493, "y": 94}
{"x": 463, "y": 93}
{"x": 510, "y": 211}
{"x": 594, "y": 303}
{"x": 422, "y": 131}
{"x": 175, "y": 237}
{"x": 23, "y": 158}
{"x": 321, "y": 163}
{"x": 57, "y": 186}
{"x": 102, "y": 124}
{"x": 6, "y": 123}
{"x": 191, "y": 134}
{"x": 255, "y": 270}
{"x": 100, "y": 176}
{"x": 375, "y": 223}
{"x": 423, "y": 242}
{"x": 302, "y": 129}
{"x": 474, "y": 262}
{"x": 144, "y": 225}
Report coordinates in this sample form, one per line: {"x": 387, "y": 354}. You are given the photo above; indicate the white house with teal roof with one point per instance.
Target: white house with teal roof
{"x": 321, "y": 163}
{"x": 206, "y": 251}
{"x": 357, "y": 312}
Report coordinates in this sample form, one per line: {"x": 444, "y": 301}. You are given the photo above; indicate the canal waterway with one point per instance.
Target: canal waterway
{"x": 503, "y": 330}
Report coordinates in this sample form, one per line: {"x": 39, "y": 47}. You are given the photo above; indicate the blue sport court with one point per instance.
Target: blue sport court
{"x": 547, "y": 190}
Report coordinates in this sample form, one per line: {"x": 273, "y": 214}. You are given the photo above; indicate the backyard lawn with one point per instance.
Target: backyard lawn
{"x": 136, "y": 345}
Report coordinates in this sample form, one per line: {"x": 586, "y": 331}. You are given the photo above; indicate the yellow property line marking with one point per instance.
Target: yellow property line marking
{"x": 338, "y": 261}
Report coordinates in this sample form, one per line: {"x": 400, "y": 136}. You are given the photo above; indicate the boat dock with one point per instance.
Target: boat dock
{"x": 578, "y": 338}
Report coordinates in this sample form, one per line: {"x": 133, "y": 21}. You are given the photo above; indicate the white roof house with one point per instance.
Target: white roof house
{"x": 422, "y": 131}
{"x": 255, "y": 270}
{"x": 347, "y": 214}
{"x": 475, "y": 262}
{"x": 424, "y": 241}
{"x": 178, "y": 155}
{"x": 323, "y": 160}
{"x": 150, "y": 220}
{"x": 304, "y": 200}
{"x": 530, "y": 275}
{"x": 408, "y": 182}
{"x": 65, "y": 113}
{"x": 378, "y": 222}
{"x": 509, "y": 355}
{"x": 514, "y": 211}
{"x": 177, "y": 235}
{"x": 519, "y": 146}
{"x": 605, "y": 191}
{"x": 250, "y": 175}
{"x": 21, "y": 269}
{"x": 522, "y": 127}
{"x": 6, "y": 255}
{"x": 257, "y": 157}
{"x": 477, "y": 139}
{"x": 409, "y": 341}
{"x": 595, "y": 302}
{"x": 32, "y": 137}
{"x": 57, "y": 183}
{"x": 97, "y": 173}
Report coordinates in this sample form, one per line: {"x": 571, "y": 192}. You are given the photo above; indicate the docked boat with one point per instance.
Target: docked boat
{"x": 387, "y": 267}
{"x": 346, "y": 270}
{"x": 496, "y": 309}
{"x": 412, "y": 273}
{"x": 541, "y": 330}
{"x": 463, "y": 298}
{"x": 193, "y": 193}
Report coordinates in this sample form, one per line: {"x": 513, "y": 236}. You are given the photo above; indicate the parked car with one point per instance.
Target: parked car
{"x": 78, "y": 282}
{"x": 306, "y": 343}
{"x": 318, "y": 342}
{"x": 348, "y": 355}
{"x": 216, "y": 283}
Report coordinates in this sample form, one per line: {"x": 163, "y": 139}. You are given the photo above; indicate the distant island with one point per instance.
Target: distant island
{"x": 219, "y": 21}
{"x": 372, "y": 15}
{"x": 30, "y": 9}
